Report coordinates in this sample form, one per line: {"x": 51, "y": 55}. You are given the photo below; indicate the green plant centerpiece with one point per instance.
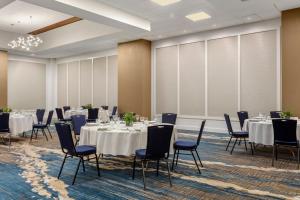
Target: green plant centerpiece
{"x": 87, "y": 106}
{"x": 129, "y": 118}
{"x": 286, "y": 115}
{"x": 7, "y": 110}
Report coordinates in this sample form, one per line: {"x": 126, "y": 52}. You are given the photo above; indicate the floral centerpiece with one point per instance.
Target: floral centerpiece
{"x": 129, "y": 118}
{"x": 286, "y": 115}
{"x": 87, "y": 106}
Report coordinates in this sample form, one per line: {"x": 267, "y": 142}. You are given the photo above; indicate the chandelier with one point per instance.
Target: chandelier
{"x": 25, "y": 42}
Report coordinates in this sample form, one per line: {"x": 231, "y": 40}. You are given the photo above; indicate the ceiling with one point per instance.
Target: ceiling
{"x": 107, "y": 22}
{"x": 15, "y": 17}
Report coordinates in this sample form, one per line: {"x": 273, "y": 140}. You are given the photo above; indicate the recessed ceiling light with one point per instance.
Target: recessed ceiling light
{"x": 214, "y": 25}
{"x": 249, "y": 18}
{"x": 198, "y": 16}
{"x": 165, "y": 2}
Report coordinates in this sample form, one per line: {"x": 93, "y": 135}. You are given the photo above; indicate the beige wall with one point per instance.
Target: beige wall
{"x": 134, "y": 77}
{"x": 291, "y": 61}
{"x": 3, "y": 79}
{"x": 26, "y": 85}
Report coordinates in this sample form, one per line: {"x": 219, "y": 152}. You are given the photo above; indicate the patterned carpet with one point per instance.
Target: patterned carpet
{"x": 28, "y": 171}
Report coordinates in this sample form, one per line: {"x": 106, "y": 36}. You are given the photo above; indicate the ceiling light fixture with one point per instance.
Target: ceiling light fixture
{"x": 165, "y": 2}
{"x": 26, "y": 42}
{"x": 198, "y": 16}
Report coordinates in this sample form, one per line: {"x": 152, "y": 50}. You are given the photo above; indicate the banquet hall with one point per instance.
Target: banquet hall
{"x": 149, "y": 99}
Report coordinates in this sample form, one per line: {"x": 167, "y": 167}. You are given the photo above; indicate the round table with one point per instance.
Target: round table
{"x": 261, "y": 131}
{"x": 20, "y": 123}
{"x": 116, "y": 140}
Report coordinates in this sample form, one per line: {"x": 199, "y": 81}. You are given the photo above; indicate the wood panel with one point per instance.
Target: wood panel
{"x": 56, "y": 25}
{"x": 291, "y": 61}
{"x": 3, "y": 78}
{"x": 134, "y": 77}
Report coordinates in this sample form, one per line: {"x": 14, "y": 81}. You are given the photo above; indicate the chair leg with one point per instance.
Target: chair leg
{"x": 133, "y": 167}
{"x": 144, "y": 177}
{"x": 44, "y": 133}
{"x": 276, "y": 152}
{"x": 32, "y": 132}
{"x": 199, "y": 157}
{"x": 251, "y": 146}
{"x": 177, "y": 157}
{"x": 76, "y": 171}
{"x": 36, "y": 133}
{"x": 157, "y": 167}
{"x": 49, "y": 132}
{"x": 97, "y": 163}
{"x": 172, "y": 168}
{"x": 273, "y": 155}
{"x": 169, "y": 173}
{"x": 233, "y": 146}
{"x": 62, "y": 166}
{"x": 83, "y": 167}
{"x": 245, "y": 144}
{"x": 228, "y": 143}
{"x": 196, "y": 162}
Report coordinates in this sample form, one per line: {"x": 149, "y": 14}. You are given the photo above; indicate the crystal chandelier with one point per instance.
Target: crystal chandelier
{"x": 25, "y": 42}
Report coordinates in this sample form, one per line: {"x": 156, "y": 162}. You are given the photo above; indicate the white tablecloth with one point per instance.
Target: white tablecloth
{"x": 118, "y": 140}
{"x": 261, "y": 132}
{"x": 19, "y": 123}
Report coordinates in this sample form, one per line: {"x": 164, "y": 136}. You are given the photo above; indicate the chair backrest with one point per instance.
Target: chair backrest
{"x": 59, "y": 113}
{"x": 93, "y": 113}
{"x": 1, "y": 110}
{"x": 78, "y": 121}
{"x": 243, "y": 115}
{"x": 40, "y": 115}
{"x": 114, "y": 111}
{"x": 285, "y": 130}
{"x": 158, "y": 142}
{"x": 169, "y": 118}
{"x": 228, "y": 123}
{"x": 66, "y": 108}
{"x": 65, "y": 138}
{"x": 4, "y": 122}
{"x": 49, "y": 119}
{"x": 201, "y": 132}
{"x": 275, "y": 114}
{"x": 104, "y": 107}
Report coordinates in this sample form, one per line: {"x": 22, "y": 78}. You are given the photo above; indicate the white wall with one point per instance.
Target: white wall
{"x": 91, "y": 69}
{"x": 216, "y": 122}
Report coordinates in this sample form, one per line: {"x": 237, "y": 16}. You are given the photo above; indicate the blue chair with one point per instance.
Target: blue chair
{"x": 275, "y": 114}
{"x": 70, "y": 150}
{"x": 242, "y": 135}
{"x": 114, "y": 112}
{"x": 92, "y": 114}
{"x": 40, "y": 115}
{"x": 243, "y": 115}
{"x": 186, "y": 145}
{"x": 60, "y": 115}
{"x": 169, "y": 118}
{"x": 66, "y": 108}
{"x": 285, "y": 134}
{"x": 78, "y": 121}
{"x": 4, "y": 126}
{"x": 158, "y": 147}
{"x": 104, "y": 107}
{"x": 42, "y": 127}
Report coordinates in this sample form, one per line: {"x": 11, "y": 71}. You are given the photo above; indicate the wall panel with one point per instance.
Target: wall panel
{"x": 73, "y": 84}
{"x": 26, "y": 85}
{"x": 222, "y": 76}
{"x": 62, "y": 85}
{"x": 258, "y": 72}
{"x": 192, "y": 79}
{"x": 86, "y": 82}
{"x": 166, "y": 79}
{"x": 99, "y": 82}
{"x": 112, "y": 81}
